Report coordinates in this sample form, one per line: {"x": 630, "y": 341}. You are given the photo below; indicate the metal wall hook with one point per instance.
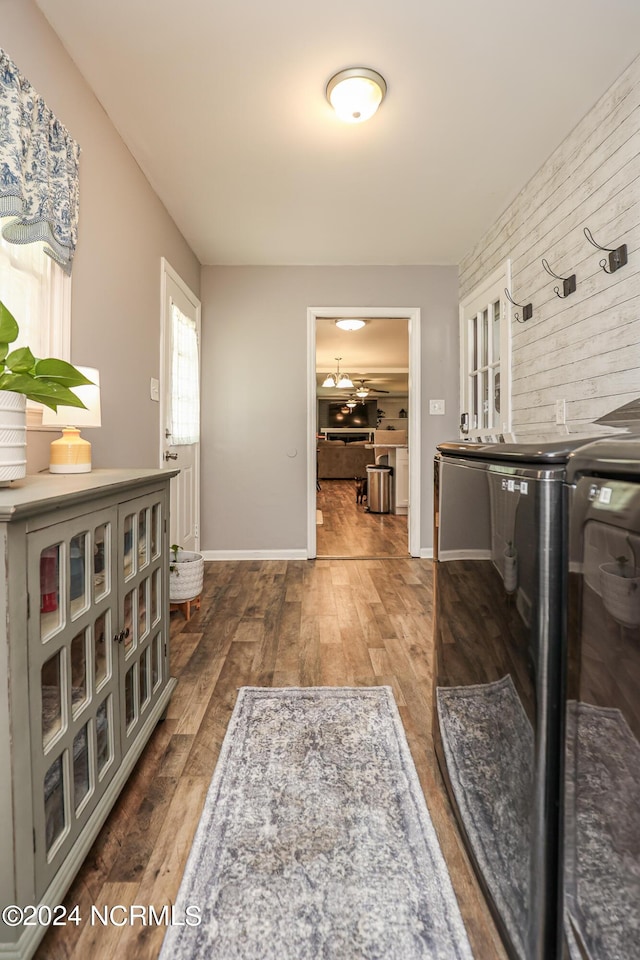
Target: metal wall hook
{"x": 568, "y": 283}
{"x": 617, "y": 255}
{"x": 527, "y": 308}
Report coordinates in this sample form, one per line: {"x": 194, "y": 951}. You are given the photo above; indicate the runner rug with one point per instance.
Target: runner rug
{"x": 315, "y": 842}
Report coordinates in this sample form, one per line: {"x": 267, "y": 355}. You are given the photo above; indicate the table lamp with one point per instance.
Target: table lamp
{"x": 71, "y": 453}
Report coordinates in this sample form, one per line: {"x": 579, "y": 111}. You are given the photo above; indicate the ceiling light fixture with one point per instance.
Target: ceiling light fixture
{"x": 356, "y": 93}
{"x": 350, "y": 323}
{"x": 338, "y": 379}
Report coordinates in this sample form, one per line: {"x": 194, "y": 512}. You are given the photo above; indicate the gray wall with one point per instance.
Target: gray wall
{"x": 124, "y": 230}
{"x": 254, "y": 389}
{"x": 584, "y": 349}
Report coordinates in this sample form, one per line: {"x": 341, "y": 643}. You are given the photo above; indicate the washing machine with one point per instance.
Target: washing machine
{"x": 498, "y": 676}
{"x": 601, "y": 822}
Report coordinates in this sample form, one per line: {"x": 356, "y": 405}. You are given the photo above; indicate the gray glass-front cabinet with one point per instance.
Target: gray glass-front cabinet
{"x": 84, "y": 668}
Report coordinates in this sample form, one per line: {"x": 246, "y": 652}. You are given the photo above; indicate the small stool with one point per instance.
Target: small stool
{"x": 185, "y": 606}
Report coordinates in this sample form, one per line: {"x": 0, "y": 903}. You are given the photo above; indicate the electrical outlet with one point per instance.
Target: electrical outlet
{"x": 436, "y": 407}
{"x": 561, "y": 411}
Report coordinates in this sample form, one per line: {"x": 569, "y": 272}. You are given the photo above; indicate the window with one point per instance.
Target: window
{"x": 485, "y": 359}
{"x": 185, "y": 385}
{"x": 37, "y": 292}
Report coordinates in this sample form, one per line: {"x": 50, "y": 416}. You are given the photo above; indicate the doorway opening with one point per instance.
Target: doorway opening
{"x": 376, "y": 422}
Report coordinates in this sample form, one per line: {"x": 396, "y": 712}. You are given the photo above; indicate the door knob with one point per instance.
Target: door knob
{"x": 170, "y": 456}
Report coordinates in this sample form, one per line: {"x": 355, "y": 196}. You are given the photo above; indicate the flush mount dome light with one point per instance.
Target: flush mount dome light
{"x": 355, "y": 94}
{"x": 350, "y": 323}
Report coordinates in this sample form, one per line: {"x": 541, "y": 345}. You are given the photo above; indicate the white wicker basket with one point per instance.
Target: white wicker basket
{"x": 185, "y": 580}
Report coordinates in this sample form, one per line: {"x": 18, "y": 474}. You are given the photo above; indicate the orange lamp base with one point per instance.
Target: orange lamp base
{"x": 70, "y": 453}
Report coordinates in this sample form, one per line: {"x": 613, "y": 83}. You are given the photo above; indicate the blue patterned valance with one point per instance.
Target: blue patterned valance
{"x": 38, "y": 169}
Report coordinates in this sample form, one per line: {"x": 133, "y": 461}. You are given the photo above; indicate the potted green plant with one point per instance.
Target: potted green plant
{"x": 620, "y": 588}
{"x": 24, "y": 377}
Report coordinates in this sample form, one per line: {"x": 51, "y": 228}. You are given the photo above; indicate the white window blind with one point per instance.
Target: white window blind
{"x": 185, "y": 380}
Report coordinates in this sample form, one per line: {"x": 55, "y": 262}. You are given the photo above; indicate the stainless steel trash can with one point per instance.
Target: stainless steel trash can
{"x": 378, "y": 488}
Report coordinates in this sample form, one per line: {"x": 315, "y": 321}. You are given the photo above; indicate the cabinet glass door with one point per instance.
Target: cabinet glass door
{"x": 143, "y": 647}
{"x": 73, "y": 678}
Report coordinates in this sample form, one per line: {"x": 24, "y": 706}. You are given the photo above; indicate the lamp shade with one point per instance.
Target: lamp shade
{"x": 89, "y": 393}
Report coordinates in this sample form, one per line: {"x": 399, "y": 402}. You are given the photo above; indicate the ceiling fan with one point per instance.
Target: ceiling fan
{"x": 364, "y": 391}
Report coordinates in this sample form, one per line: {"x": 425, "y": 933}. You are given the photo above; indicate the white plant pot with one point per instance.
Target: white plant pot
{"x": 620, "y": 595}
{"x": 13, "y": 437}
{"x": 187, "y": 576}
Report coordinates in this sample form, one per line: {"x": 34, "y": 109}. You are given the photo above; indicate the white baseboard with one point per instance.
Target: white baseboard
{"x": 426, "y": 553}
{"x": 254, "y": 554}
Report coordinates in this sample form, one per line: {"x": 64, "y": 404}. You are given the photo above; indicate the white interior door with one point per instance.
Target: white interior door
{"x": 180, "y": 405}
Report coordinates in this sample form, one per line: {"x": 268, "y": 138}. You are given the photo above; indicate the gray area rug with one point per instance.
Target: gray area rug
{"x": 602, "y": 864}
{"x": 488, "y": 745}
{"x": 315, "y": 842}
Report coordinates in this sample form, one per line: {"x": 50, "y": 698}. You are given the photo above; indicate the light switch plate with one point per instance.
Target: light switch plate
{"x": 154, "y": 389}
{"x": 436, "y": 407}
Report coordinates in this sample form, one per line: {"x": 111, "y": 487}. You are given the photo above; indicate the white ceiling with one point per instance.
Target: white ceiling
{"x": 222, "y": 104}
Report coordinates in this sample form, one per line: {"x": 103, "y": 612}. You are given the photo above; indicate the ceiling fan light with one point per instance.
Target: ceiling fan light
{"x": 350, "y": 323}
{"x": 329, "y": 381}
{"x": 356, "y": 93}
{"x": 362, "y": 392}
{"x": 351, "y": 404}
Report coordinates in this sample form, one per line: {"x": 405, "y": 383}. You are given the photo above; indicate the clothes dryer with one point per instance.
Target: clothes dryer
{"x": 498, "y": 673}
{"x": 601, "y": 848}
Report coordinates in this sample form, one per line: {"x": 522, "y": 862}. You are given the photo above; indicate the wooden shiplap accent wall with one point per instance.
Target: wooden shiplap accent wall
{"x": 584, "y": 349}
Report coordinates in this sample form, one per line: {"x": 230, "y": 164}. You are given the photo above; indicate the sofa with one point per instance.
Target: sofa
{"x": 340, "y": 460}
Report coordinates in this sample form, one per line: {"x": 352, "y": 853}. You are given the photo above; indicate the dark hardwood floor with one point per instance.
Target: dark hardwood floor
{"x": 348, "y": 530}
{"x": 263, "y": 623}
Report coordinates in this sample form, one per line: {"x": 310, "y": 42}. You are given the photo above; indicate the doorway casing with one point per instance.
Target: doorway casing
{"x": 412, "y": 315}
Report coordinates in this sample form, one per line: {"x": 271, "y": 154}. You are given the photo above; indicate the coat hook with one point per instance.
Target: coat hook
{"x": 527, "y": 308}
{"x": 617, "y": 255}
{"x": 568, "y": 283}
